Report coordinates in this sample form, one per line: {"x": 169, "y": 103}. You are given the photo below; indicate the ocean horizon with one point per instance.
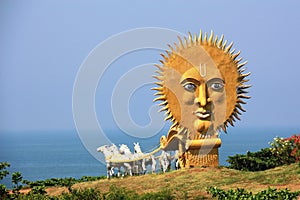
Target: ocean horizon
{"x": 59, "y": 154}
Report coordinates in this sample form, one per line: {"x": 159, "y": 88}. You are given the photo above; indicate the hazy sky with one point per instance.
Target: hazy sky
{"x": 43, "y": 44}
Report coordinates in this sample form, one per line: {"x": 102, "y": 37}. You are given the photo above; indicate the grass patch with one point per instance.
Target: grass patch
{"x": 192, "y": 182}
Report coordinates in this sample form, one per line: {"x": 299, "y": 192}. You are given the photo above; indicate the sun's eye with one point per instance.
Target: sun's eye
{"x": 190, "y": 87}
{"x": 217, "y": 86}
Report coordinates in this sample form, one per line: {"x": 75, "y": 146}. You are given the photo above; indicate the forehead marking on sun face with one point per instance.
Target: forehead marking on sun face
{"x": 202, "y": 70}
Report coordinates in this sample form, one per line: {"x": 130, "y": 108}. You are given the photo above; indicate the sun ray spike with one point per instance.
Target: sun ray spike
{"x": 164, "y": 56}
{"x": 157, "y": 89}
{"x": 241, "y": 91}
{"x": 190, "y": 38}
{"x": 164, "y": 108}
{"x": 180, "y": 43}
{"x": 227, "y": 49}
{"x": 161, "y": 98}
{"x": 216, "y": 40}
{"x": 232, "y": 118}
{"x": 244, "y": 97}
{"x": 245, "y": 75}
{"x": 224, "y": 128}
{"x": 159, "y": 83}
{"x": 169, "y": 117}
{"x": 176, "y": 46}
{"x": 158, "y": 77}
{"x": 242, "y": 64}
{"x": 226, "y": 124}
{"x": 169, "y": 53}
{"x": 236, "y": 116}
{"x": 245, "y": 86}
{"x": 238, "y": 60}
{"x": 205, "y": 38}
{"x": 241, "y": 101}
{"x": 162, "y": 62}
{"x": 211, "y": 38}
{"x": 234, "y": 56}
{"x": 195, "y": 38}
{"x": 245, "y": 80}
{"x": 224, "y": 45}
{"x": 163, "y": 103}
{"x": 167, "y": 112}
{"x": 161, "y": 68}
{"x": 232, "y": 52}
{"x": 186, "y": 42}
{"x": 159, "y": 72}
{"x": 174, "y": 125}
{"x": 230, "y": 121}
{"x": 240, "y": 107}
{"x": 220, "y": 41}
{"x": 242, "y": 70}
{"x": 237, "y": 111}
{"x": 159, "y": 93}
{"x": 200, "y": 37}
{"x": 171, "y": 48}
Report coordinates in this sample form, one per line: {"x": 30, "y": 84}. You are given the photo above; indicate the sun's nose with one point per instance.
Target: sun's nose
{"x": 201, "y": 96}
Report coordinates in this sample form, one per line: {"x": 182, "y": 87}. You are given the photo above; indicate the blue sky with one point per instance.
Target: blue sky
{"x": 44, "y": 43}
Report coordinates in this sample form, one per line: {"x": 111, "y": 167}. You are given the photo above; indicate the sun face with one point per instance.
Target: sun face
{"x": 201, "y": 84}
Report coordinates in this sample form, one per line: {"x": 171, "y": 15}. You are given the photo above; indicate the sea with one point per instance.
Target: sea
{"x": 41, "y": 155}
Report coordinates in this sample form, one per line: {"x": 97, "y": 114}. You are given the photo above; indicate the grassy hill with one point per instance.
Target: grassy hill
{"x": 193, "y": 183}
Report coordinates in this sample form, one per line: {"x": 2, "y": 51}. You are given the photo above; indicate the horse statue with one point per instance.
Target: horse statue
{"x": 110, "y": 153}
{"x": 107, "y": 152}
{"x": 136, "y": 163}
{"x": 148, "y": 160}
{"x": 165, "y": 159}
{"x": 176, "y": 159}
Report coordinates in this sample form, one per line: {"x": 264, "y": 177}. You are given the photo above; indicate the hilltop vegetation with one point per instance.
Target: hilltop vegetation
{"x": 195, "y": 182}
{"x": 243, "y": 179}
{"x": 192, "y": 183}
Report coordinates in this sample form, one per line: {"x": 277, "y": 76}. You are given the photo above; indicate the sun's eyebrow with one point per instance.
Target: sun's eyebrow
{"x": 216, "y": 80}
{"x": 195, "y": 81}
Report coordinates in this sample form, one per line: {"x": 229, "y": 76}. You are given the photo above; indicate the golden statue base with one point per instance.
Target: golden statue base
{"x": 204, "y": 152}
{"x": 194, "y": 157}
{"x": 192, "y": 153}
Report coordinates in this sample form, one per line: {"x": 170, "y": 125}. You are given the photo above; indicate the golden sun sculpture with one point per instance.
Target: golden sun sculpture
{"x": 201, "y": 86}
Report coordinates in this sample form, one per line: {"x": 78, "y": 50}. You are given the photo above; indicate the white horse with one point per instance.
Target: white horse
{"x": 176, "y": 158}
{"x": 149, "y": 160}
{"x": 112, "y": 153}
{"x": 165, "y": 159}
{"x": 107, "y": 152}
{"x": 135, "y": 163}
{"x": 119, "y": 155}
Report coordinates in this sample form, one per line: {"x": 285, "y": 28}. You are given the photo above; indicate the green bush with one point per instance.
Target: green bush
{"x": 16, "y": 179}
{"x": 125, "y": 194}
{"x": 87, "y": 194}
{"x": 35, "y": 197}
{"x": 161, "y": 195}
{"x": 3, "y": 173}
{"x": 281, "y": 152}
{"x": 241, "y": 193}
{"x": 257, "y": 161}
{"x": 68, "y": 181}
{"x": 116, "y": 193}
{"x": 38, "y": 190}
{"x": 3, "y": 191}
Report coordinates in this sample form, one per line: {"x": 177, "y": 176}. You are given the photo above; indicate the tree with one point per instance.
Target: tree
{"x": 16, "y": 180}
{"x": 3, "y": 173}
